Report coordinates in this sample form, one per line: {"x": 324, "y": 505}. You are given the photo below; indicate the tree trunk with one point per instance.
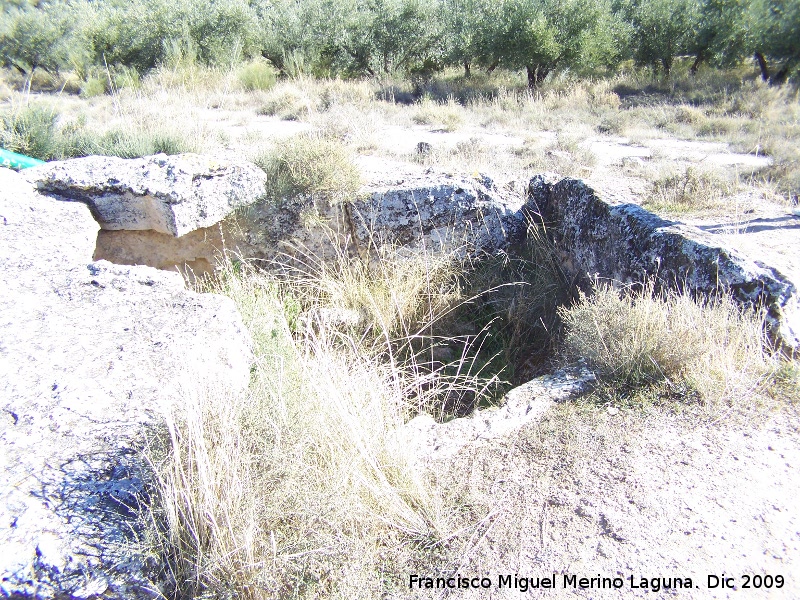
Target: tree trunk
{"x": 698, "y": 60}
{"x": 541, "y": 74}
{"x": 782, "y": 75}
{"x": 762, "y": 65}
{"x": 467, "y": 71}
{"x": 531, "y": 77}
{"x": 666, "y": 63}
{"x": 536, "y": 75}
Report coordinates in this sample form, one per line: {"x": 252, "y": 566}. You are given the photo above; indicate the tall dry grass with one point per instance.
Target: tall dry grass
{"x": 640, "y": 337}
{"x": 301, "y": 488}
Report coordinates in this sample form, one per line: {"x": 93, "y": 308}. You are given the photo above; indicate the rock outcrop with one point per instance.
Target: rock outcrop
{"x": 91, "y": 353}
{"x": 441, "y": 212}
{"x": 167, "y": 194}
{"x": 622, "y": 242}
{"x": 186, "y": 211}
{"x": 420, "y": 211}
{"x": 527, "y": 403}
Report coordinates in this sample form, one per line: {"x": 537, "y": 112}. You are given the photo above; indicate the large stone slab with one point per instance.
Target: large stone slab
{"x": 91, "y": 355}
{"x": 174, "y": 195}
{"x": 621, "y": 241}
{"x": 527, "y": 403}
{"x": 441, "y": 211}
{"x": 186, "y": 212}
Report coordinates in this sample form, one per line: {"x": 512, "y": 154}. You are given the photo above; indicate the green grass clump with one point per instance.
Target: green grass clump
{"x": 32, "y": 130}
{"x": 257, "y": 75}
{"x": 448, "y": 116}
{"x": 36, "y": 130}
{"x": 311, "y": 165}
{"x": 135, "y": 143}
{"x": 94, "y": 86}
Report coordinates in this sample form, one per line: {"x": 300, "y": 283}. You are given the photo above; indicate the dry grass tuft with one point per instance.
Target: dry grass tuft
{"x": 694, "y": 190}
{"x": 641, "y": 337}
{"x": 448, "y": 116}
{"x": 39, "y": 130}
{"x": 288, "y": 102}
{"x": 300, "y": 489}
{"x": 311, "y": 165}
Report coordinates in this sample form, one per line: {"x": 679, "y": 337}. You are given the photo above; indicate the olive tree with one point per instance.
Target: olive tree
{"x": 720, "y": 34}
{"x": 33, "y": 37}
{"x": 141, "y": 34}
{"x": 662, "y": 30}
{"x": 542, "y": 36}
{"x": 775, "y": 31}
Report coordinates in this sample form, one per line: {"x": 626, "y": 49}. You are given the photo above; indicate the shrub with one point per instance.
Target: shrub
{"x": 94, "y": 86}
{"x": 640, "y": 337}
{"x": 35, "y": 130}
{"x": 311, "y": 165}
{"x": 32, "y": 130}
{"x": 694, "y": 190}
{"x": 257, "y": 75}
{"x": 288, "y": 103}
{"x": 448, "y": 116}
{"x": 140, "y": 35}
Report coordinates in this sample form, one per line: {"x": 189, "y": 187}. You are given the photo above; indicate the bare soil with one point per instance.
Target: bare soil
{"x": 599, "y": 491}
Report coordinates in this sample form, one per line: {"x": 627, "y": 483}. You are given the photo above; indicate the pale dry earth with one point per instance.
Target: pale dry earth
{"x": 617, "y": 493}
{"x": 767, "y": 231}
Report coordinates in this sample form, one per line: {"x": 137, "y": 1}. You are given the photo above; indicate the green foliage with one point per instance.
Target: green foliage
{"x": 31, "y": 130}
{"x": 662, "y": 30}
{"x": 775, "y": 30}
{"x": 145, "y": 34}
{"x": 543, "y": 35}
{"x": 721, "y": 32}
{"x": 35, "y": 130}
{"x": 34, "y": 37}
{"x": 464, "y": 31}
{"x": 410, "y": 38}
{"x": 311, "y": 165}
{"x": 94, "y": 86}
{"x": 257, "y": 75}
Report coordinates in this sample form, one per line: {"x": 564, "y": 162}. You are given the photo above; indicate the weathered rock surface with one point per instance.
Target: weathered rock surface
{"x": 523, "y": 404}
{"x": 625, "y": 243}
{"x": 441, "y": 211}
{"x": 176, "y": 211}
{"x": 167, "y": 194}
{"x": 424, "y": 211}
{"x": 90, "y": 354}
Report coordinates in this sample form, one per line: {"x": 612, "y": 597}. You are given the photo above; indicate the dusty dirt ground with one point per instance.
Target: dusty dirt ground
{"x": 593, "y": 491}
